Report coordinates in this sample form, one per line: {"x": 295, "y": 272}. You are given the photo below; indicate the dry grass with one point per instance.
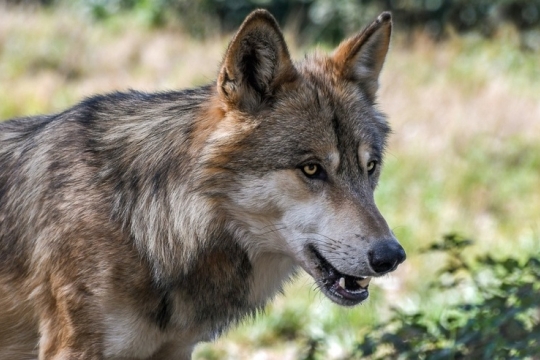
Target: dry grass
{"x": 49, "y": 61}
{"x": 465, "y": 154}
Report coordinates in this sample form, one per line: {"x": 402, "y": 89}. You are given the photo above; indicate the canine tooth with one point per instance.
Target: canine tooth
{"x": 364, "y": 282}
{"x": 342, "y": 282}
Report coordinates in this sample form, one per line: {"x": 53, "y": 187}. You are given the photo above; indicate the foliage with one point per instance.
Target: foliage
{"x": 325, "y": 20}
{"x": 330, "y": 21}
{"x": 501, "y": 323}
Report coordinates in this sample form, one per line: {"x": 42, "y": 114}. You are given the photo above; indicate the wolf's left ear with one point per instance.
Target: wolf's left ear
{"x": 361, "y": 57}
{"x": 256, "y": 64}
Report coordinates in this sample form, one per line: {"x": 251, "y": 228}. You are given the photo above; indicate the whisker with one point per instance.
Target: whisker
{"x": 271, "y": 231}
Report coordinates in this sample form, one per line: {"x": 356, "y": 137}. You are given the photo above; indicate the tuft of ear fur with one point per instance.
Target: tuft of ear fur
{"x": 361, "y": 57}
{"x": 256, "y": 63}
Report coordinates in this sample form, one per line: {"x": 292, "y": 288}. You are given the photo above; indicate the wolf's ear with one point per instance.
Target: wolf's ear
{"x": 256, "y": 64}
{"x": 361, "y": 57}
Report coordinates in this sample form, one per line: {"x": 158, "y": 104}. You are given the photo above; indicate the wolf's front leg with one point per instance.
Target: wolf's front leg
{"x": 69, "y": 322}
{"x": 175, "y": 350}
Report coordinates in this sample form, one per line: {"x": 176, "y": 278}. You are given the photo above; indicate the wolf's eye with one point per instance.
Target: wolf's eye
{"x": 310, "y": 169}
{"x": 371, "y": 166}
{"x": 314, "y": 171}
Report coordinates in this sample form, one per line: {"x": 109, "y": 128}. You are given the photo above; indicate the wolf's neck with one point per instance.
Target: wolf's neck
{"x": 270, "y": 272}
{"x": 224, "y": 286}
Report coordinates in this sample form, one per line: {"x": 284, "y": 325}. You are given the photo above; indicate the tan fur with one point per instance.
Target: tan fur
{"x": 349, "y": 57}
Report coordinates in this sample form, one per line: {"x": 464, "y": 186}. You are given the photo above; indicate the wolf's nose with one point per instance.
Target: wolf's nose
{"x": 386, "y": 256}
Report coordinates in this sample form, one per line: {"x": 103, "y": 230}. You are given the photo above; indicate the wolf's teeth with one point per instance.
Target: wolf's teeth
{"x": 364, "y": 282}
{"x": 342, "y": 282}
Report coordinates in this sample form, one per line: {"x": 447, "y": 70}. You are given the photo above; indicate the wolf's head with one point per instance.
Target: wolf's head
{"x": 299, "y": 147}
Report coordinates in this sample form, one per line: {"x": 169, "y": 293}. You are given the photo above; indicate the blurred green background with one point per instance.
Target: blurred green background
{"x": 461, "y": 184}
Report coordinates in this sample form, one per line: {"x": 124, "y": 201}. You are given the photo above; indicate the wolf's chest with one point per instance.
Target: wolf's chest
{"x": 203, "y": 305}
{"x": 128, "y": 336}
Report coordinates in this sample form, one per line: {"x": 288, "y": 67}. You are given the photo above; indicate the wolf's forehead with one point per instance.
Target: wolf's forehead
{"x": 351, "y": 123}
{"x": 317, "y": 63}
{"x": 326, "y": 115}
{"x": 342, "y": 104}
{"x": 319, "y": 127}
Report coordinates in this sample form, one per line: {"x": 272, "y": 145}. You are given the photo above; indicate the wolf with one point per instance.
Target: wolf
{"x": 135, "y": 225}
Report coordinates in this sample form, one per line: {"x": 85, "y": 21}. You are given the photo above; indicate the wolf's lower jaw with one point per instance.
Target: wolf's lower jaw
{"x": 343, "y": 289}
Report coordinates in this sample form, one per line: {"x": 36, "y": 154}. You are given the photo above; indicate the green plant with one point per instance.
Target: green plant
{"x": 500, "y": 322}
{"x": 328, "y": 20}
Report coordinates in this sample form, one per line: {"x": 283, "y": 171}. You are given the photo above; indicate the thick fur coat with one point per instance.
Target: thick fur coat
{"x": 134, "y": 225}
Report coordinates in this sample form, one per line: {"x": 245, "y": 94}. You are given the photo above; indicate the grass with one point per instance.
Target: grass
{"x": 464, "y": 156}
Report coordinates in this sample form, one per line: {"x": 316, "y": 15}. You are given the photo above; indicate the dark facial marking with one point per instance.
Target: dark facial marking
{"x": 163, "y": 312}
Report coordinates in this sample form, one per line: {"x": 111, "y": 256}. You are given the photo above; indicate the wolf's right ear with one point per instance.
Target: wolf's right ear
{"x": 256, "y": 64}
{"x": 361, "y": 57}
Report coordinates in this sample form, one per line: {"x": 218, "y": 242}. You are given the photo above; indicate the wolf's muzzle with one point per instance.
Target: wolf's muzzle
{"x": 385, "y": 256}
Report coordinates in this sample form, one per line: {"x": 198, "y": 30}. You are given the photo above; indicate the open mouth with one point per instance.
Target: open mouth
{"x": 343, "y": 289}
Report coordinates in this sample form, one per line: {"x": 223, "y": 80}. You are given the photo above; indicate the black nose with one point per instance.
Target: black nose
{"x": 385, "y": 256}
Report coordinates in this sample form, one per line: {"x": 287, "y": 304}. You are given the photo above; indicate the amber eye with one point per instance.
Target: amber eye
{"x": 371, "y": 167}
{"x": 314, "y": 171}
{"x": 310, "y": 169}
